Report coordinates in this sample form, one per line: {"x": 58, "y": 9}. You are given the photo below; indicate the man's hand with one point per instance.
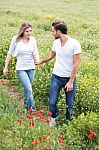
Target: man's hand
{"x": 47, "y": 58}
{"x": 38, "y": 62}
{"x": 69, "y": 86}
{"x": 5, "y": 72}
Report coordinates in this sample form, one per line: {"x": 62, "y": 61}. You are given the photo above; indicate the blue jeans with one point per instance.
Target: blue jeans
{"x": 57, "y": 83}
{"x": 26, "y": 78}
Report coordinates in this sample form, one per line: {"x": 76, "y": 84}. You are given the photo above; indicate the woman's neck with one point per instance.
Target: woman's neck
{"x": 25, "y": 40}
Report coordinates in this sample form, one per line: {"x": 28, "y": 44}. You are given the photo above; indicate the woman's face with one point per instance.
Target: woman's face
{"x": 27, "y": 32}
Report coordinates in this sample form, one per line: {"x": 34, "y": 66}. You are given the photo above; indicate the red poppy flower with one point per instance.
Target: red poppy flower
{"x": 35, "y": 142}
{"x": 41, "y": 111}
{"x": 60, "y": 141}
{"x": 90, "y": 136}
{"x": 1, "y": 80}
{"x": 62, "y": 145}
{"x": 47, "y": 120}
{"x": 30, "y": 110}
{"x": 39, "y": 114}
{"x": 29, "y": 116}
{"x": 60, "y": 137}
{"x": 49, "y": 113}
{"x": 41, "y": 117}
{"x": 34, "y": 113}
{"x": 31, "y": 123}
{"x": 43, "y": 137}
{"x": 19, "y": 120}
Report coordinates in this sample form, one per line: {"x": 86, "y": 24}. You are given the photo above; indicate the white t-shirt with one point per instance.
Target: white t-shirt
{"x": 24, "y": 53}
{"x": 64, "y": 56}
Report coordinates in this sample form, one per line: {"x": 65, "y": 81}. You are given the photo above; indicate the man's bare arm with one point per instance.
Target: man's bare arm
{"x": 46, "y": 59}
{"x": 76, "y": 60}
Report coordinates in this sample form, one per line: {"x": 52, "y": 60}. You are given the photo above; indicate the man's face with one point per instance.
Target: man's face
{"x": 55, "y": 33}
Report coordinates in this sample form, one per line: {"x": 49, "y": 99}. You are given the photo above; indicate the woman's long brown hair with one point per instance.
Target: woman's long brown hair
{"x": 23, "y": 27}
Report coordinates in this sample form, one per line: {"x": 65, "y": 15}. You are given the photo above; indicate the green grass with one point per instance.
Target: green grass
{"x": 82, "y": 19}
{"x": 57, "y": 7}
{"x": 16, "y": 136}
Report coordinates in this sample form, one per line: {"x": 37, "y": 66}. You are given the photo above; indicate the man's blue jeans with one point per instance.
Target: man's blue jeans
{"x": 26, "y": 78}
{"x": 57, "y": 83}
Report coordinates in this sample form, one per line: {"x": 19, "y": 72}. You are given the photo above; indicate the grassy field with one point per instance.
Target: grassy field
{"x": 60, "y": 8}
{"x": 82, "y": 19}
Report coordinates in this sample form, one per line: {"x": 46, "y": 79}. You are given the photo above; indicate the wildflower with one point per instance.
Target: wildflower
{"x": 41, "y": 117}
{"x": 90, "y": 136}
{"x": 60, "y": 141}
{"x": 41, "y": 111}
{"x": 29, "y": 116}
{"x": 35, "y": 142}
{"x": 39, "y": 114}
{"x": 47, "y": 120}
{"x": 43, "y": 137}
{"x": 62, "y": 145}
{"x": 19, "y": 120}
{"x": 60, "y": 137}
{"x": 31, "y": 123}
{"x": 34, "y": 113}
{"x": 49, "y": 113}
{"x": 30, "y": 110}
{"x": 1, "y": 80}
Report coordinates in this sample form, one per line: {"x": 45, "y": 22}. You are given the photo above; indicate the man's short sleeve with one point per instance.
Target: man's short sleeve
{"x": 77, "y": 47}
{"x": 53, "y": 47}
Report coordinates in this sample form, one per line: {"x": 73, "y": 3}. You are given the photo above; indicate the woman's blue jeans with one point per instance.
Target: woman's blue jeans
{"x": 26, "y": 78}
{"x": 57, "y": 83}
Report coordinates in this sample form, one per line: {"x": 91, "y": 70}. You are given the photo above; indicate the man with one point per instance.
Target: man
{"x": 67, "y": 51}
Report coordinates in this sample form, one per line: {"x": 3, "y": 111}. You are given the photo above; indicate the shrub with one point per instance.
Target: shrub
{"x": 77, "y": 131}
{"x": 87, "y": 97}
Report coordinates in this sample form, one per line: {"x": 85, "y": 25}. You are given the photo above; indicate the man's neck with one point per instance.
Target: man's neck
{"x": 63, "y": 39}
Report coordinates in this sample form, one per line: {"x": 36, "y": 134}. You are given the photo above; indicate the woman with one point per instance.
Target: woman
{"x": 24, "y": 48}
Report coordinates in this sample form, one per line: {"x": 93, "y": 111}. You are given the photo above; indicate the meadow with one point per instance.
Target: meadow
{"x": 17, "y": 130}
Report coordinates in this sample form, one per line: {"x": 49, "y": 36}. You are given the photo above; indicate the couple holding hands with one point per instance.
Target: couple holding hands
{"x": 67, "y": 51}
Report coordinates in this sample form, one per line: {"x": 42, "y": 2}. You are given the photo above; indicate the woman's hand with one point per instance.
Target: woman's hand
{"x": 5, "y": 72}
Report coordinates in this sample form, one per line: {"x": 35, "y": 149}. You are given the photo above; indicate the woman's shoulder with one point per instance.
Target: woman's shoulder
{"x": 32, "y": 38}
{"x": 14, "y": 38}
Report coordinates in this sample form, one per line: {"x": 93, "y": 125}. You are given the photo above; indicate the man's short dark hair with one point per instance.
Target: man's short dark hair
{"x": 57, "y": 22}
{"x": 61, "y": 27}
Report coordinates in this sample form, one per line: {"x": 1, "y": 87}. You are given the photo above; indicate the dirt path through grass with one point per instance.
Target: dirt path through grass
{"x": 7, "y": 88}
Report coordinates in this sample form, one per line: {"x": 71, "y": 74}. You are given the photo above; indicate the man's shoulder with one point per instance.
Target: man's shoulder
{"x": 56, "y": 41}
{"x": 74, "y": 40}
